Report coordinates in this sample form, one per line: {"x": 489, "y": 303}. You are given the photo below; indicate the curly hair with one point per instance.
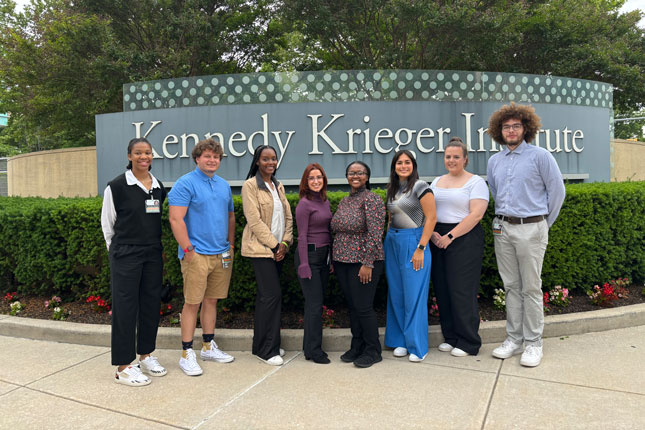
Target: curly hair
{"x": 524, "y": 113}
{"x": 207, "y": 145}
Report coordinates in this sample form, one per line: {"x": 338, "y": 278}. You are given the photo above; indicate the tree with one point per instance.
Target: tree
{"x": 578, "y": 38}
{"x": 63, "y": 62}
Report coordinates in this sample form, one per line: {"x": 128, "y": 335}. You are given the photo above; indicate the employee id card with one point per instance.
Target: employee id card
{"x": 153, "y": 206}
{"x": 497, "y": 226}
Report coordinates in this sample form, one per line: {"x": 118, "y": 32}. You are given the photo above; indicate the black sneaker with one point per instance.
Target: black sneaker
{"x": 350, "y": 356}
{"x": 365, "y": 361}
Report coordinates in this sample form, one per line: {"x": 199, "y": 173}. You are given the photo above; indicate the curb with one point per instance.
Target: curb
{"x": 333, "y": 339}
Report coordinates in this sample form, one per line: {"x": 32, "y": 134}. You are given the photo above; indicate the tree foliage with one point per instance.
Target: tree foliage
{"x": 578, "y": 38}
{"x": 63, "y": 61}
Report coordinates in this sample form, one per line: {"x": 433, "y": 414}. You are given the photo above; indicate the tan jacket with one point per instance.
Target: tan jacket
{"x": 257, "y": 202}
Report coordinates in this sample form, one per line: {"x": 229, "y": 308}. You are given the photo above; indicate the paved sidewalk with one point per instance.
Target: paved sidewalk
{"x": 586, "y": 381}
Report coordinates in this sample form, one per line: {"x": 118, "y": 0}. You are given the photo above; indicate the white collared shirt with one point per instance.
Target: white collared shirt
{"x": 108, "y": 212}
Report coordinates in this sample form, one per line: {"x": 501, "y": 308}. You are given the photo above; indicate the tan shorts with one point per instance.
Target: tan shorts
{"x": 204, "y": 277}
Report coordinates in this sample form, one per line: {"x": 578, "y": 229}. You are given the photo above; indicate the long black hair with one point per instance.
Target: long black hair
{"x": 131, "y": 145}
{"x": 394, "y": 185}
{"x": 256, "y": 158}
{"x": 367, "y": 171}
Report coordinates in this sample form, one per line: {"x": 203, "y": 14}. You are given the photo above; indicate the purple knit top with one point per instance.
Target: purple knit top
{"x": 312, "y": 220}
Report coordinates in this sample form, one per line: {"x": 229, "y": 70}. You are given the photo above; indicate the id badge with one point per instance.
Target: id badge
{"x": 153, "y": 207}
{"x": 497, "y": 227}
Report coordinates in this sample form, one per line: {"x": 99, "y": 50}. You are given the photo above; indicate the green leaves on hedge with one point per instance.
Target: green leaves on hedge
{"x": 56, "y": 246}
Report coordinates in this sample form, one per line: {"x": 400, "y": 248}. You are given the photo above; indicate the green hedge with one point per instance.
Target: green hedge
{"x": 55, "y": 246}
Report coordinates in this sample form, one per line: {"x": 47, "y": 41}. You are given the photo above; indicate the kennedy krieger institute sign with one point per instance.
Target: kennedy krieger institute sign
{"x": 335, "y": 117}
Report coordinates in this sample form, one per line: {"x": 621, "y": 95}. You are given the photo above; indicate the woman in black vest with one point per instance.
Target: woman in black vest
{"x": 131, "y": 221}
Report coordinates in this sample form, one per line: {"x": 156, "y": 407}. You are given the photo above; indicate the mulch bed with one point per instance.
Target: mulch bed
{"x": 83, "y": 312}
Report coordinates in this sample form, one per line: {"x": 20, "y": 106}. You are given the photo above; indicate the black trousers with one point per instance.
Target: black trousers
{"x": 360, "y": 300}
{"x": 314, "y": 291}
{"x": 135, "y": 276}
{"x": 455, "y": 273}
{"x": 268, "y": 304}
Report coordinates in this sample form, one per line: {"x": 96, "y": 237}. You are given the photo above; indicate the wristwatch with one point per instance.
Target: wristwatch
{"x": 450, "y": 236}
{"x": 190, "y": 248}
{"x": 421, "y": 247}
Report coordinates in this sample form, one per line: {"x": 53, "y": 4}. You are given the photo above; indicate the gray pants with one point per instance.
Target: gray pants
{"x": 520, "y": 252}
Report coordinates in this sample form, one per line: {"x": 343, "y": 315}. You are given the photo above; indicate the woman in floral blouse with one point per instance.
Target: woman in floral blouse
{"x": 358, "y": 261}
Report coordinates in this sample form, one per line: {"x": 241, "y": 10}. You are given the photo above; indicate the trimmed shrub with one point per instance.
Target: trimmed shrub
{"x": 56, "y": 246}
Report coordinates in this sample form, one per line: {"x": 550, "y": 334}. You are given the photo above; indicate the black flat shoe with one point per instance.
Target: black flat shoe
{"x": 321, "y": 359}
{"x": 350, "y": 356}
{"x": 365, "y": 361}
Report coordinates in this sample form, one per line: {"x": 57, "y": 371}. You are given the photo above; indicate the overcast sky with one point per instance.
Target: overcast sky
{"x": 629, "y": 6}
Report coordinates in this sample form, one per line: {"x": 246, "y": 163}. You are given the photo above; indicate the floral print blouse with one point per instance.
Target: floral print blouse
{"x": 358, "y": 226}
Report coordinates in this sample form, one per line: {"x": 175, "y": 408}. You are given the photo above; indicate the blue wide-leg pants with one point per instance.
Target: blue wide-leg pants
{"x": 407, "y": 297}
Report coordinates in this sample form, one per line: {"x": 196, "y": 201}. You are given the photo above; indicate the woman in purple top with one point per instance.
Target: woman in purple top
{"x": 358, "y": 261}
{"x": 312, "y": 259}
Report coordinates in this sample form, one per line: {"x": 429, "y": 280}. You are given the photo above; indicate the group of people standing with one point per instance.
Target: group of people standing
{"x": 434, "y": 232}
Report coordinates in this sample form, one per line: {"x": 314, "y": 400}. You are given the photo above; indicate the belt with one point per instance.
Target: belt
{"x": 312, "y": 247}
{"x": 528, "y": 220}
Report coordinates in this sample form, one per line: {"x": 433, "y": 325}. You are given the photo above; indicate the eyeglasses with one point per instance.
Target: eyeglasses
{"x": 350, "y": 174}
{"x": 516, "y": 127}
{"x": 314, "y": 178}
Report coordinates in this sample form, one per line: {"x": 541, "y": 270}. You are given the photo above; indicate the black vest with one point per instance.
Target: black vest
{"x": 133, "y": 225}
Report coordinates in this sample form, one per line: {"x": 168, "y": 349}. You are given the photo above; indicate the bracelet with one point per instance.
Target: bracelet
{"x": 285, "y": 244}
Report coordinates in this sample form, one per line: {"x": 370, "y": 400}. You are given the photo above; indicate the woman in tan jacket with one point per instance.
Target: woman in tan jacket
{"x": 265, "y": 240}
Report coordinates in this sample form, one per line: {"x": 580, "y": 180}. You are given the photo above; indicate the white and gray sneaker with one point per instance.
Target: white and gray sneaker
{"x": 210, "y": 352}
{"x": 151, "y": 366}
{"x": 131, "y": 376}
{"x": 532, "y": 356}
{"x": 507, "y": 349}
{"x": 188, "y": 363}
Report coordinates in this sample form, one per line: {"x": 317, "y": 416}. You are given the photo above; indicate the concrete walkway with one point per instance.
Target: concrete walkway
{"x": 586, "y": 381}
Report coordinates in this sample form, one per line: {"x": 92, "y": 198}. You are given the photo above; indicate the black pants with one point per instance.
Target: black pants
{"x": 360, "y": 299}
{"x": 135, "y": 276}
{"x": 268, "y": 303}
{"x": 314, "y": 290}
{"x": 455, "y": 273}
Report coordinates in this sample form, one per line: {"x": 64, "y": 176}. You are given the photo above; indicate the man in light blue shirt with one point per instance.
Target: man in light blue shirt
{"x": 528, "y": 190}
{"x": 203, "y": 223}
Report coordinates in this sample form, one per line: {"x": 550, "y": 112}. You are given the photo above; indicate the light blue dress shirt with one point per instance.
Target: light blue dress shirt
{"x": 526, "y": 182}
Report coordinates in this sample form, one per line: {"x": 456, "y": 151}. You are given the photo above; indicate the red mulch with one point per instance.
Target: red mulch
{"x": 84, "y": 312}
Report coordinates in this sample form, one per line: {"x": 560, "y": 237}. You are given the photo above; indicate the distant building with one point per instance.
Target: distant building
{"x": 4, "y": 118}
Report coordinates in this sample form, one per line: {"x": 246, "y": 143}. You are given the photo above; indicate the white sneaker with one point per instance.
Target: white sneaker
{"x": 458, "y": 352}
{"x": 445, "y": 347}
{"x": 532, "y": 356}
{"x": 188, "y": 363}
{"x": 507, "y": 349}
{"x": 282, "y": 353}
{"x": 151, "y": 366}
{"x": 210, "y": 352}
{"x": 400, "y": 351}
{"x": 415, "y": 359}
{"x": 131, "y": 376}
{"x": 276, "y": 360}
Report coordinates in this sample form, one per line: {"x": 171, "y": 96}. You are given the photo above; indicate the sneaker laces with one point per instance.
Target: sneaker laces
{"x": 191, "y": 358}
{"x": 133, "y": 372}
{"x": 533, "y": 351}
{"x": 508, "y": 344}
{"x": 152, "y": 362}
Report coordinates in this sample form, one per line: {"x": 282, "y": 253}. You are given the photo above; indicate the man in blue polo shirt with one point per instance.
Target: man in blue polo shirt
{"x": 527, "y": 186}
{"x": 203, "y": 223}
